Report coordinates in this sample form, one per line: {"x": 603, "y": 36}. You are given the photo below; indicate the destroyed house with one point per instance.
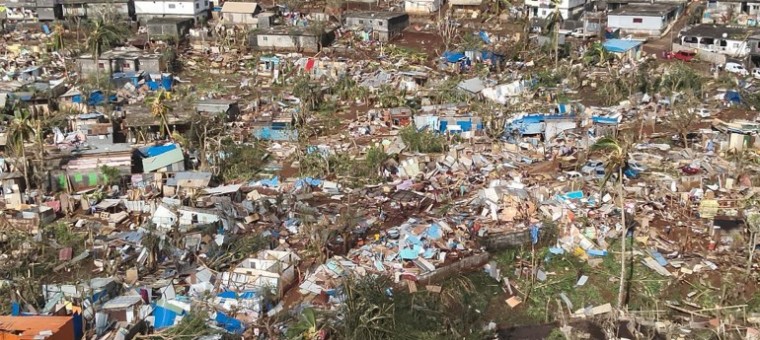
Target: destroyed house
{"x": 422, "y": 6}
{"x": 753, "y": 42}
{"x": 32, "y": 10}
{"x": 38, "y": 327}
{"x": 643, "y": 20}
{"x": 123, "y": 60}
{"x": 270, "y": 269}
{"x": 241, "y": 13}
{"x": 187, "y": 182}
{"x": 215, "y": 107}
{"x": 732, "y": 41}
{"x": 383, "y": 26}
{"x": 275, "y": 128}
{"x": 192, "y": 9}
{"x": 397, "y": 116}
{"x": 125, "y": 308}
{"x": 159, "y": 28}
{"x": 536, "y": 124}
{"x": 568, "y": 9}
{"x": 290, "y": 38}
{"x": 94, "y": 9}
{"x": 449, "y": 123}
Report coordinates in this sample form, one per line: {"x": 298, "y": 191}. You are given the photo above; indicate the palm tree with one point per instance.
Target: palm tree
{"x": 20, "y": 129}
{"x": 102, "y": 36}
{"x": 159, "y": 110}
{"x": 616, "y": 154}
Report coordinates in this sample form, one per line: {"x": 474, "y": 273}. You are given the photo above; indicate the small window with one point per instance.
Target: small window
{"x": 361, "y": 22}
{"x": 126, "y": 66}
{"x": 379, "y": 23}
{"x": 101, "y": 65}
{"x": 264, "y": 38}
{"x": 197, "y": 6}
{"x": 638, "y": 20}
{"x": 205, "y": 3}
{"x": 172, "y": 6}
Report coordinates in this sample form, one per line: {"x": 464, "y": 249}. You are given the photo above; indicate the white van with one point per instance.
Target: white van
{"x": 736, "y": 68}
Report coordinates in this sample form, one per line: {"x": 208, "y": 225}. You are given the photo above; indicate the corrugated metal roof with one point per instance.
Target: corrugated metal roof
{"x": 123, "y": 301}
{"x": 240, "y": 7}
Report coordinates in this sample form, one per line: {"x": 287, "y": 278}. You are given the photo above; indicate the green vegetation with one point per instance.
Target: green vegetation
{"x": 423, "y": 141}
{"x": 359, "y": 171}
{"x": 63, "y": 235}
{"x": 241, "y": 161}
{"x": 371, "y": 311}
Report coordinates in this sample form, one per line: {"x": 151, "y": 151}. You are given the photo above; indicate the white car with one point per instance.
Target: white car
{"x": 736, "y": 68}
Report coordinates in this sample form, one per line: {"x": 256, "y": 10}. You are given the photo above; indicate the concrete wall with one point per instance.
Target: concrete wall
{"x": 240, "y": 18}
{"x": 386, "y": 29}
{"x": 171, "y": 8}
{"x": 648, "y": 25}
{"x": 422, "y": 6}
{"x": 712, "y": 57}
{"x": 306, "y": 43}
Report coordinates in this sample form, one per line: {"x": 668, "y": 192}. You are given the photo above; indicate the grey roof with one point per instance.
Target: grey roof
{"x": 713, "y": 31}
{"x": 375, "y": 15}
{"x": 124, "y": 301}
{"x": 656, "y": 10}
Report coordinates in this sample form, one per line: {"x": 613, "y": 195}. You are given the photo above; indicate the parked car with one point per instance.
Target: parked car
{"x": 681, "y": 55}
{"x": 736, "y": 68}
{"x": 756, "y": 73}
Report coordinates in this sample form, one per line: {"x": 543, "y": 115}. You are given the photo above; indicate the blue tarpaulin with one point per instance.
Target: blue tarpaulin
{"x": 302, "y": 182}
{"x": 732, "y": 97}
{"x": 230, "y": 324}
{"x": 163, "y": 318}
{"x": 434, "y": 232}
{"x": 154, "y": 151}
{"x": 454, "y": 57}
{"x": 272, "y": 182}
{"x": 484, "y": 36}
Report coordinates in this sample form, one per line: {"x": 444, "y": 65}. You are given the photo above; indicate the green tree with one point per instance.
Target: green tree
{"x": 112, "y": 174}
{"x": 102, "y": 36}
{"x": 616, "y": 157}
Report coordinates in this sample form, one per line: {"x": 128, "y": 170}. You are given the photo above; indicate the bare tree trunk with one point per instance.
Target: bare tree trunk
{"x": 623, "y": 239}
{"x": 752, "y": 246}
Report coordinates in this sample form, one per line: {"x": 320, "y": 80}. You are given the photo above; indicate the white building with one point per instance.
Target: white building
{"x": 731, "y": 41}
{"x": 422, "y": 6}
{"x": 643, "y": 20}
{"x": 568, "y": 9}
{"x": 196, "y": 9}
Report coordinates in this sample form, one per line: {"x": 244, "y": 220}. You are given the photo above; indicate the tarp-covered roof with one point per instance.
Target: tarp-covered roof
{"x": 620, "y": 45}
